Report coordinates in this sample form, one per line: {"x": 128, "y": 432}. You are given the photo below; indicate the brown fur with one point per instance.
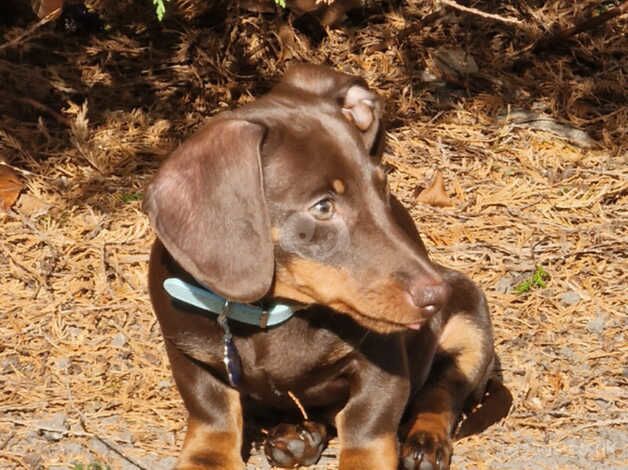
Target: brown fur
{"x": 196, "y": 454}
{"x": 285, "y": 199}
{"x": 381, "y": 453}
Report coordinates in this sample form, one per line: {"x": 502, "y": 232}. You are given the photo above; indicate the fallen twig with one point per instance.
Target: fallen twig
{"x": 46, "y": 109}
{"x": 84, "y": 433}
{"x": 6, "y": 441}
{"x": 6, "y": 250}
{"x": 420, "y": 23}
{"x": 22, "y": 171}
{"x": 38, "y": 106}
{"x": 595, "y": 424}
{"x": 63, "y": 432}
{"x": 584, "y": 23}
{"x": 110, "y": 445}
{"x": 299, "y": 405}
{"x": 483, "y": 14}
{"x": 46, "y": 19}
{"x": 18, "y": 459}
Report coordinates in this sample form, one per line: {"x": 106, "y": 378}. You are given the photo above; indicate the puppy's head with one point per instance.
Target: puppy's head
{"x": 285, "y": 197}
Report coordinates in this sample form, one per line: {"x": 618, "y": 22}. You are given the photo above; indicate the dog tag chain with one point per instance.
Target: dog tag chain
{"x": 230, "y": 355}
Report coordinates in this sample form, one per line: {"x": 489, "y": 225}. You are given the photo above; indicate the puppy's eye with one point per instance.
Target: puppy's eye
{"x": 323, "y": 209}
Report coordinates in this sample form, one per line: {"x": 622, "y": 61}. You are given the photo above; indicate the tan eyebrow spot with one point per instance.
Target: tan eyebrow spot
{"x": 338, "y": 186}
{"x": 275, "y": 234}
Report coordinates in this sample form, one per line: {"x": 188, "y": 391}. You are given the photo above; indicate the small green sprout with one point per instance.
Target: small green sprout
{"x": 281, "y": 3}
{"x": 130, "y": 197}
{"x": 605, "y": 6}
{"x": 537, "y": 279}
{"x": 91, "y": 466}
{"x": 160, "y": 8}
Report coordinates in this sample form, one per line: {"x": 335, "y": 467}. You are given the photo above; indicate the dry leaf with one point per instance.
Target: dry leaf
{"x": 435, "y": 195}
{"x": 44, "y": 7}
{"x": 10, "y": 187}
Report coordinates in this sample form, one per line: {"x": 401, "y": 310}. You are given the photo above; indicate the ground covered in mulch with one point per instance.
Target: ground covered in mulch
{"x": 530, "y": 142}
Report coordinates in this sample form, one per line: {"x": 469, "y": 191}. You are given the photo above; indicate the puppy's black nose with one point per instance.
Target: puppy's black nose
{"x": 431, "y": 296}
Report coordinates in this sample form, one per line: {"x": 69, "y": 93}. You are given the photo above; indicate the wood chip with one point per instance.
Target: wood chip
{"x": 435, "y": 194}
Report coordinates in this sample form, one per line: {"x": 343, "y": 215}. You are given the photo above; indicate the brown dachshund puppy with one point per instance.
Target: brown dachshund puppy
{"x": 285, "y": 200}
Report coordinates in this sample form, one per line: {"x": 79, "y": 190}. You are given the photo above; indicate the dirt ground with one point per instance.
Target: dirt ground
{"x": 530, "y": 141}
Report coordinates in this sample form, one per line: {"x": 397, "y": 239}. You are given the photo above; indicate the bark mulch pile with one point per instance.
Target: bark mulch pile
{"x": 507, "y": 141}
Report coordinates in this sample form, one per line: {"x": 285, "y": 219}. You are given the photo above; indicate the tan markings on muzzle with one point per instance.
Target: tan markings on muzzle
{"x": 383, "y": 306}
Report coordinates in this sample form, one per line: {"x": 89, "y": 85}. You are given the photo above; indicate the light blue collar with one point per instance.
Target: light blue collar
{"x": 204, "y": 299}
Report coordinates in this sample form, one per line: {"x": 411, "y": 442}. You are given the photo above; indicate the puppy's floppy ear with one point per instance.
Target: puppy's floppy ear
{"x": 358, "y": 104}
{"x": 208, "y": 208}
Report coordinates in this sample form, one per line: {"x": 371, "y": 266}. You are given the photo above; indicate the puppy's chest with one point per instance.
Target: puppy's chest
{"x": 316, "y": 378}
{"x": 293, "y": 358}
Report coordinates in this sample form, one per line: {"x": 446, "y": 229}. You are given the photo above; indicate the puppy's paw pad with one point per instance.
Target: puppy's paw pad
{"x": 426, "y": 451}
{"x": 289, "y": 445}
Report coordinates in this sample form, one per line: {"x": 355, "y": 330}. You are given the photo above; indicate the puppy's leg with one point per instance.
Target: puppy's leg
{"x": 214, "y": 437}
{"x": 461, "y": 368}
{"x": 367, "y": 425}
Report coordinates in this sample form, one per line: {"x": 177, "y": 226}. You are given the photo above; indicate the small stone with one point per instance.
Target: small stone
{"x": 567, "y": 352}
{"x": 570, "y": 298}
{"x": 152, "y": 358}
{"x": 71, "y": 449}
{"x": 118, "y": 429}
{"x": 93, "y": 406}
{"x": 503, "y": 285}
{"x": 112, "y": 421}
{"x": 33, "y": 460}
{"x": 9, "y": 363}
{"x": 427, "y": 76}
{"x": 604, "y": 404}
{"x": 596, "y": 325}
{"x": 73, "y": 332}
{"x": 118, "y": 341}
{"x": 124, "y": 436}
{"x": 63, "y": 363}
{"x": 168, "y": 462}
{"x": 54, "y": 427}
{"x": 164, "y": 384}
{"x": 535, "y": 403}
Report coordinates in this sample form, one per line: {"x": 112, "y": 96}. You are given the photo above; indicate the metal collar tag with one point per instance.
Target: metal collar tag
{"x": 230, "y": 355}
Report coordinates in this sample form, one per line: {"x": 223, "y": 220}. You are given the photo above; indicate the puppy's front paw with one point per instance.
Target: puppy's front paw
{"x": 289, "y": 445}
{"x": 425, "y": 450}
